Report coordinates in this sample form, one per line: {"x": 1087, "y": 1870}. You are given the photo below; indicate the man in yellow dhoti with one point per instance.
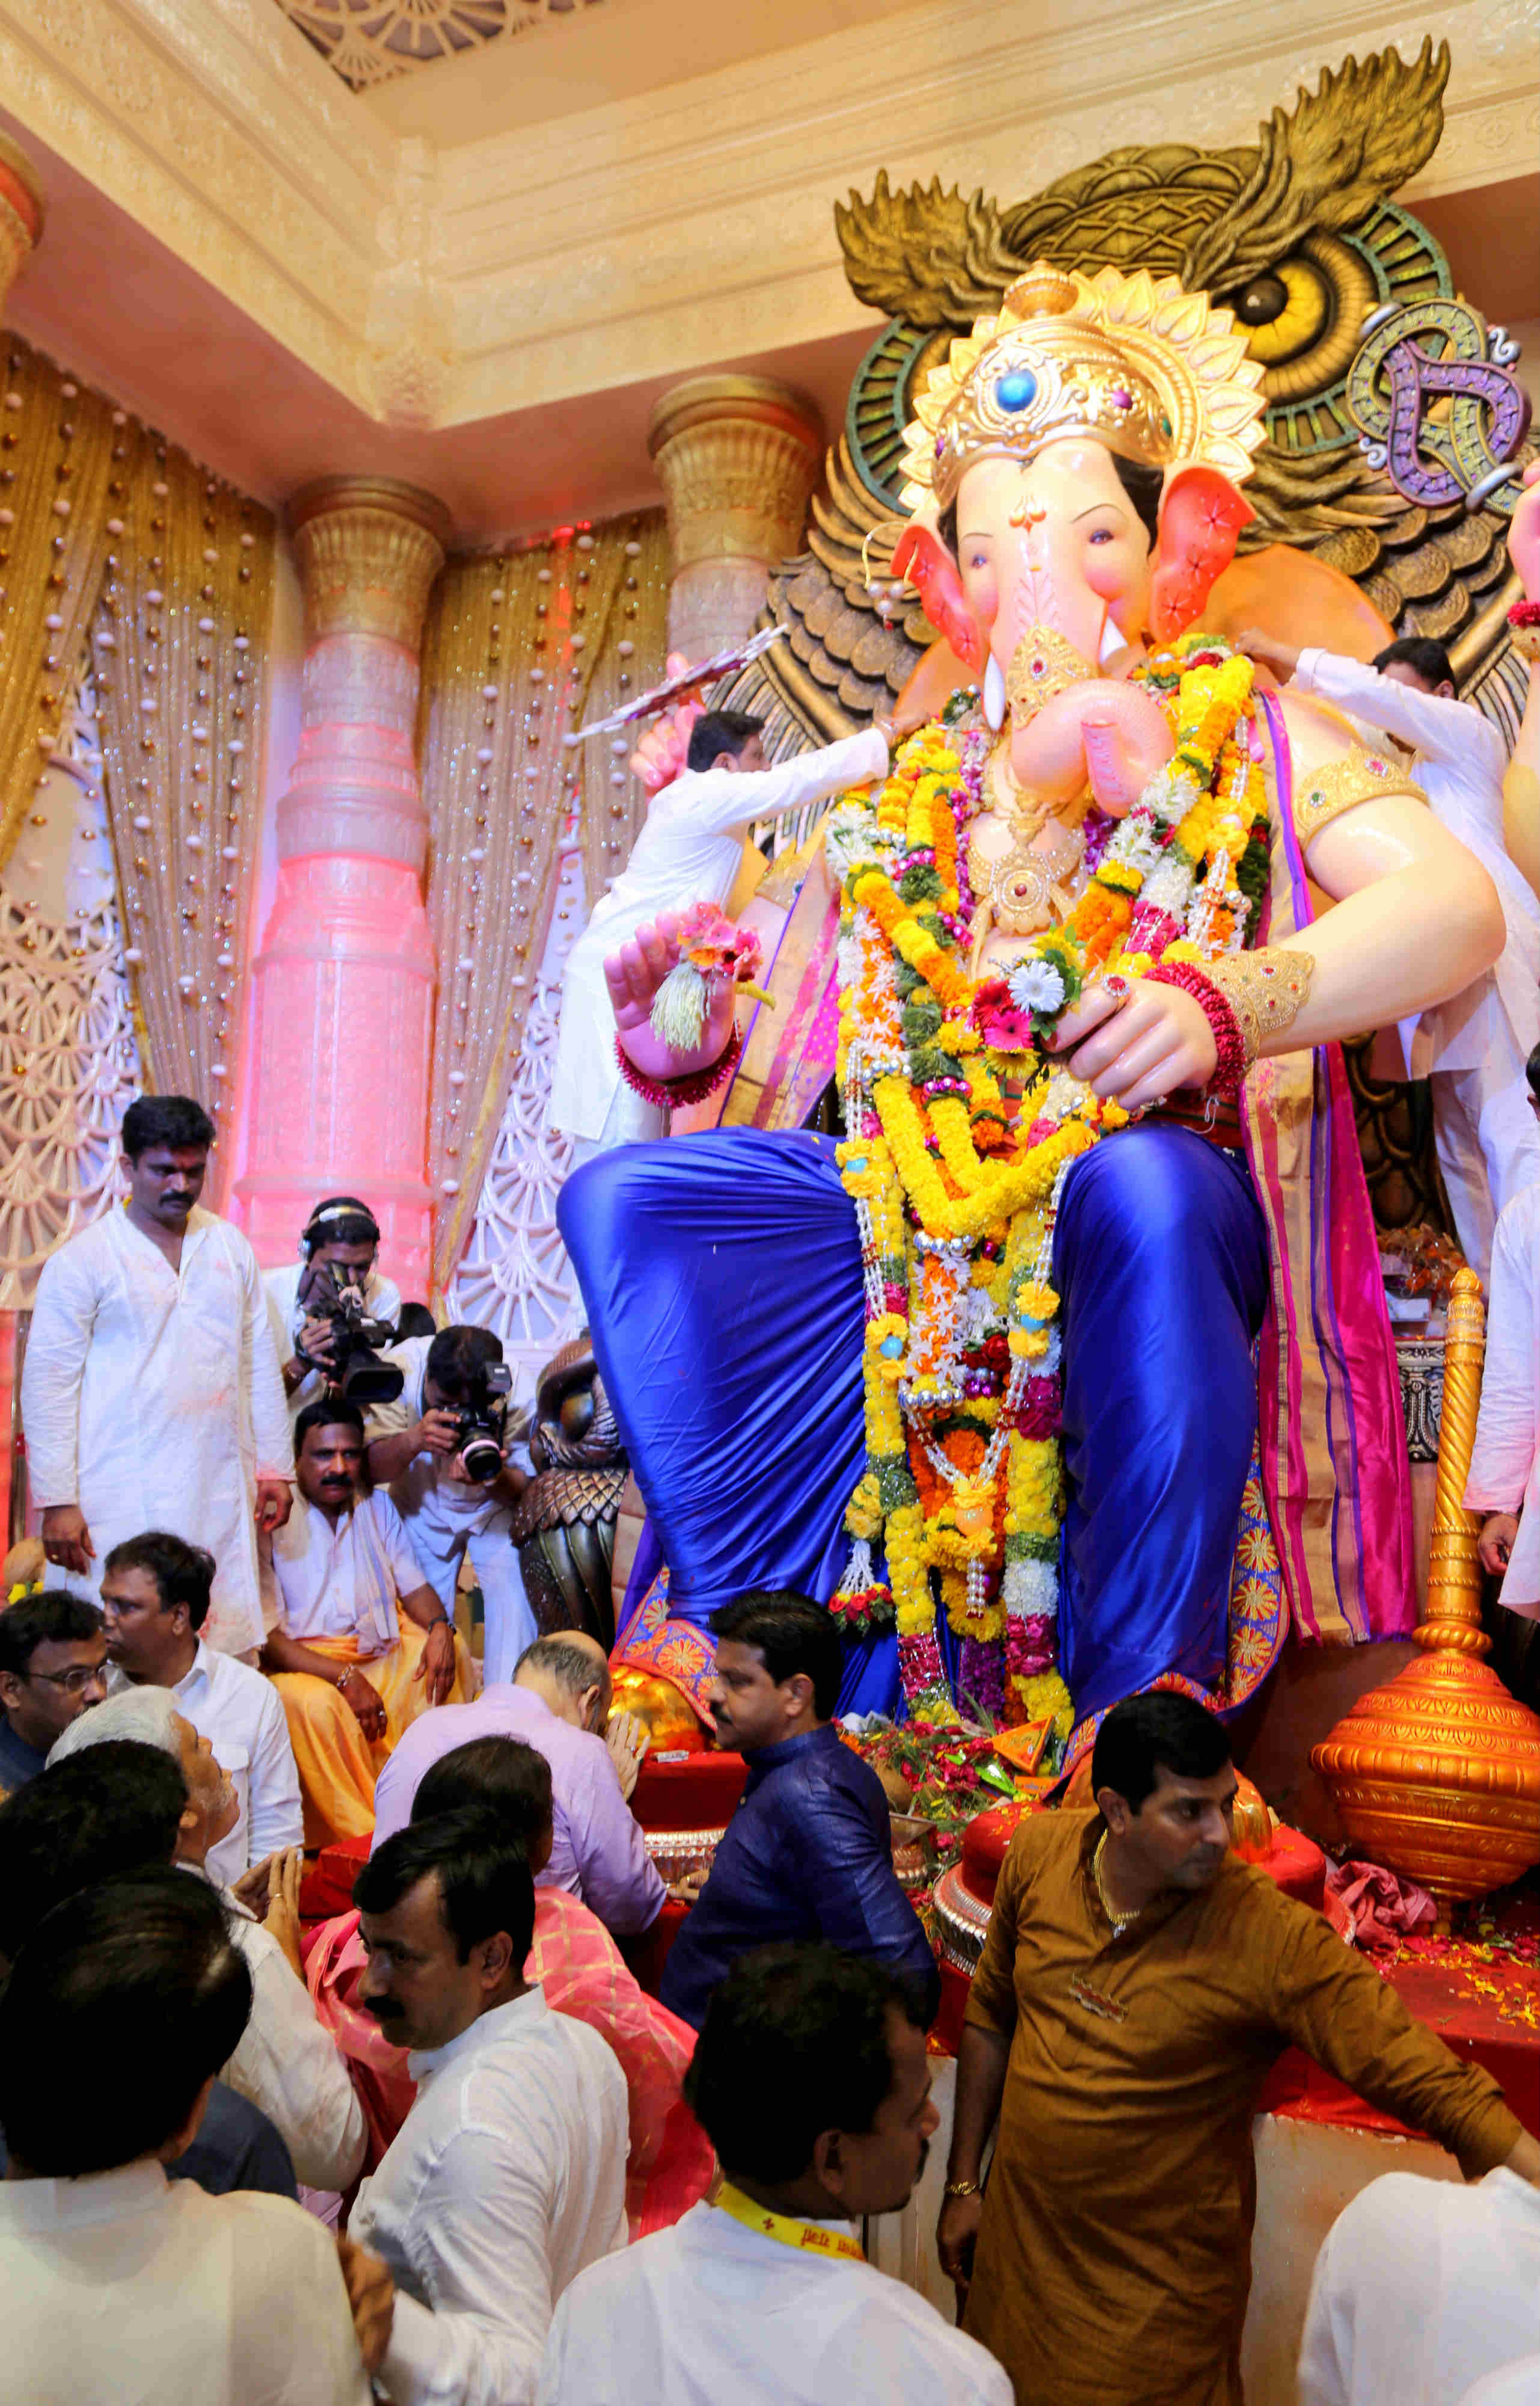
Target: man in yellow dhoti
{"x": 363, "y": 1644}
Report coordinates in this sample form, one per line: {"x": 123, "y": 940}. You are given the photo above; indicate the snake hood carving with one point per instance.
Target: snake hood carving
{"x": 1297, "y": 234}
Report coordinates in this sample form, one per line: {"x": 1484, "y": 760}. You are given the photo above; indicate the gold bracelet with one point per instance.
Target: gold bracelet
{"x": 1265, "y": 989}
{"x": 960, "y": 2188}
{"x": 1526, "y": 643}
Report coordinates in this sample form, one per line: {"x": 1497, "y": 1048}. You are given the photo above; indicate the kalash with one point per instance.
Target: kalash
{"x": 1126, "y": 1404}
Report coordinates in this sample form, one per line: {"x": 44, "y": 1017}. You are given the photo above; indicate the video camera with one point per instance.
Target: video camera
{"x": 357, "y": 1338}
{"x": 480, "y": 1420}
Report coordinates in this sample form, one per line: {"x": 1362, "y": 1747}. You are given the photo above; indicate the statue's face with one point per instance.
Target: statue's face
{"x": 1056, "y": 544}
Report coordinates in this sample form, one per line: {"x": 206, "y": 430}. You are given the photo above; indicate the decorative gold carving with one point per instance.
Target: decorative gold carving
{"x": 738, "y": 456}
{"x": 1044, "y": 663}
{"x": 1437, "y": 1775}
{"x": 369, "y": 549}
{"x": 1340, "y": 784}
{"x": 371, "y": 44}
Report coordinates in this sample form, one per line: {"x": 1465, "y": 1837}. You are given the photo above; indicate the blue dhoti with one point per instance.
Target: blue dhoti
{"x": 722, "y": 1277}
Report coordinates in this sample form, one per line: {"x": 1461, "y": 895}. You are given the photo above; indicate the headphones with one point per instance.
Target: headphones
{"x": 335, "y": 1206}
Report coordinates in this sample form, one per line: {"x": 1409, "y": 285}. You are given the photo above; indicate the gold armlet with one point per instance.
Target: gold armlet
{"x": 1265, "y": 989}
{"x": 1526, "y": 641}
{"x": 1357, "y": 776}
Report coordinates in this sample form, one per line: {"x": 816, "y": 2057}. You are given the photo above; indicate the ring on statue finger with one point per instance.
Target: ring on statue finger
{"x": 1117, "y": 987}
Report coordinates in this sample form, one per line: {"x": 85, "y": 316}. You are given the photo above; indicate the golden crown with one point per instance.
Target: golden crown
{"x": 1153, "y": 372}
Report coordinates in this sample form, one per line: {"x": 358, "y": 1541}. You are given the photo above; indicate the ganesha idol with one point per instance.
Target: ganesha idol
{"x": 1067, "y": 1372}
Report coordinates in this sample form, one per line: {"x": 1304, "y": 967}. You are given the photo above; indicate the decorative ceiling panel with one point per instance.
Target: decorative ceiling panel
{"x": 369, "y": 41}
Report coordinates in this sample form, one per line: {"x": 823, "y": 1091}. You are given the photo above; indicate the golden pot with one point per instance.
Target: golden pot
{"x": 663, "y": 1712}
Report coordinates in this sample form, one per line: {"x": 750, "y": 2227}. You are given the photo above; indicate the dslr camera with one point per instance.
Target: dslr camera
{"x": 481, "y": 1420}
{"x": 354, "y": 1370}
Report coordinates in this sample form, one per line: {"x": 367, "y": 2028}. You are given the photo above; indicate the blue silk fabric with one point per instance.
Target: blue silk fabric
{"x": 722, "y": 1278}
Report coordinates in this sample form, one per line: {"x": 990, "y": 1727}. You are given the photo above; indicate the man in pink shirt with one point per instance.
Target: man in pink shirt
{"x": 558, "y": 1702}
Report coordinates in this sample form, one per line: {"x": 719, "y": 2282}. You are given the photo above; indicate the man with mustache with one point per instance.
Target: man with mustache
{"x": 1138, "y": 1983}
{"x": 151, "y": 1395}
{"x": 362, "y": 1643}
{"x": 508, "y": 2175}
{"x": 811, "y": 2081}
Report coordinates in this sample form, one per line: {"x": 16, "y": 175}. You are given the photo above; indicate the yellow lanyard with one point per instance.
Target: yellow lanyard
{"x": 785, "y": 2228}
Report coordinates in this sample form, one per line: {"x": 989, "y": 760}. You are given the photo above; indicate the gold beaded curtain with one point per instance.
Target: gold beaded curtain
{"x": 179, "y": 643}
{"x": 55, "y": 454}
{"x": 519, "y": 648}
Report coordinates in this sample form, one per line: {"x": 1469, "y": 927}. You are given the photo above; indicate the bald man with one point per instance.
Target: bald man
{"x": 558, "y": 1701}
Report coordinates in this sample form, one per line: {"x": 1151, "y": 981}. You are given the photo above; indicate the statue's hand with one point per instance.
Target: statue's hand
{"x": 633, "y": 976}
{"x": 1524, "y": 535}
{"x": 1139, "y": 1052}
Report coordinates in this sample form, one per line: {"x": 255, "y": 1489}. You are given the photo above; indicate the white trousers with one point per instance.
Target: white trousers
{"x": 510, "y": 1624}
{"x": 1488, "y": 1143}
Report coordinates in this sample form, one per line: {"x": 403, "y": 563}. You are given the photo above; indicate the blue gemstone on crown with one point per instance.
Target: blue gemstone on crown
{"x": 1017, "y": 390}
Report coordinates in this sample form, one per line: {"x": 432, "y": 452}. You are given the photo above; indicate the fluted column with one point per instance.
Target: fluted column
{"x": 346, "y": 974}
{"x": 738, "y": 456}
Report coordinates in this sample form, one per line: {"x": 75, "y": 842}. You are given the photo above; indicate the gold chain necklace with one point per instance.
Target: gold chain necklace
{"x": 1120, "y": 1921}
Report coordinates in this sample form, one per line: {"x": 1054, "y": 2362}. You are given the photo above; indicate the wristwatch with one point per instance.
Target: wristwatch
{"x": 960, "y": 2188}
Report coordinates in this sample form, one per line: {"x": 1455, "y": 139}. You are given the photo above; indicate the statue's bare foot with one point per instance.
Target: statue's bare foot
{"x": 634, "y": 975}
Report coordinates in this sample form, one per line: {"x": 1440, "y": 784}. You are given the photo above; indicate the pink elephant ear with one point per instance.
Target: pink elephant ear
{"x": 1201, "y": 513}
{"x": 925, "y": 560}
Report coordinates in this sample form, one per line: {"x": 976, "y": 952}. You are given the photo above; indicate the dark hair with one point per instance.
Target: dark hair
{"x": 796, "y": 2041}
{"x": 113, "y": 1808}
{"x": 501, "y": 1776}
{"x": 483, "y": 1881}
{"x": 457, "y": 1355}
{"x": 415, "y": 1320}
{"x": 1532, "y": 1071}
{"x": 573, "y": 1667}
{"x": 1142, "y": 486}
{"x": 327, "y": 1412}
{"x": 55, "y": 1618}
{"x": 172, "y": 1120}
{"x": 137, "y": 1971}
{"x": 184, "y": 1574}
{"x": 339, "y": 1220}
{"x": 1423, "y": 655}
{"x": 793, "y": 1634}
{"x": 1151, "y": 1734}
{"x": 720, "y": 730}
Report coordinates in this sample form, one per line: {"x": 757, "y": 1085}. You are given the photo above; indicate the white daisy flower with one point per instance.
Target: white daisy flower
{"x": 1035, "y": 985}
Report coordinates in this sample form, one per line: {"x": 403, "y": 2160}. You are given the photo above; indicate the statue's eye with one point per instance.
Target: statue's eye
{"x": 1101, "y": 534}
{"x": 1260, "y": 302}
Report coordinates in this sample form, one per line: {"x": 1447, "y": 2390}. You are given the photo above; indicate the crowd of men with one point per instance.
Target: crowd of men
{"x": 441, "y": 2148}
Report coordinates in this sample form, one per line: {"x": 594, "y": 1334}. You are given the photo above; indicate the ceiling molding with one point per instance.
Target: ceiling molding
{"x": 664, "y": 233}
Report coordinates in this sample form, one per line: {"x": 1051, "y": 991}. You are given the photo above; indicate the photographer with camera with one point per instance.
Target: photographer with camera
{"x": 363, "y": 1644}
{"x": 330, "y": 1311}
{"x": 446, "y": 1450}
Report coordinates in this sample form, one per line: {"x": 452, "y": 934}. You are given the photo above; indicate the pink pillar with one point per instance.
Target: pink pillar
{"x": 346, "y": 975}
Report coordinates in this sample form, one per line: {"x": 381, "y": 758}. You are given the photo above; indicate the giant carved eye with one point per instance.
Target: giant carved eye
{"x": 1302, "y": 315}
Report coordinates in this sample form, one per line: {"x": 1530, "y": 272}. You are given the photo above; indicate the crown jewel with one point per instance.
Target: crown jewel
{"x": 1153, "y": 372}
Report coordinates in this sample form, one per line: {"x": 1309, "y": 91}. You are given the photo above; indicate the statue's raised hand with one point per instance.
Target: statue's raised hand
{"x": 633, "y": 976}
{"x": 1524, "y": 535}
{"x": 660, "y": 754}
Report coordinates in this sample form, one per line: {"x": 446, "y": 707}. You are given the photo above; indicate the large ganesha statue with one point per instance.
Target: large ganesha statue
{"x": 1066, "y": 1370}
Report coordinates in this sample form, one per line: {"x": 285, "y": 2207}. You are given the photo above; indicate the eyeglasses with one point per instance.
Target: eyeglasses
{"x": 74, "y": 1682}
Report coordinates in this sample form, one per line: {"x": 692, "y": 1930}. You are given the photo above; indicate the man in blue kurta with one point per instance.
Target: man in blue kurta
{"x": 809, "y": 1852}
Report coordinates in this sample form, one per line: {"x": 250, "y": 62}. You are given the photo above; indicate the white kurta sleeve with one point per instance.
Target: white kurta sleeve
{"x": 479, "y": 2245}
{"x": 405, "y": 1569}
{"x": 288, "y": 2066}
{"x": 63, "y": 1315}
{"x": 723, "y": 800}
{"x": 274, "y": 1817}
{"x": 1505, "y": 1431}
{"x": 270, "y": 1424}
{"x": 1454, "y": 734}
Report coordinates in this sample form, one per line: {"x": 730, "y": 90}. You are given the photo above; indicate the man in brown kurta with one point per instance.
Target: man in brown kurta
{"x": 1113, "y": 2263}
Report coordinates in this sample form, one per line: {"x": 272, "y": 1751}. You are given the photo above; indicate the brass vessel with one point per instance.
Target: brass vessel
{"x": 1437, "y": 1774}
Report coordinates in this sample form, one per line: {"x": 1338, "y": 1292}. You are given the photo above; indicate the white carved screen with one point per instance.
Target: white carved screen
{"x": 69, "y": 1064}
{"x": 514, "y": 1275}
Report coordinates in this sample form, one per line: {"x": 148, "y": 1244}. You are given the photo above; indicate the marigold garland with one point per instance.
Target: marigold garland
{"x": 956, "y": 1190}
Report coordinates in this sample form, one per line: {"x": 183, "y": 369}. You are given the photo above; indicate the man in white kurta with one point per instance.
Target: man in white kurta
{"x": 689, "y": 850}
{"x": 150, "y": 1395}
{"x": 1504, "y": 1475}
{"x": 1421, "y": 2286}
{"x": 1473, "y": 1047}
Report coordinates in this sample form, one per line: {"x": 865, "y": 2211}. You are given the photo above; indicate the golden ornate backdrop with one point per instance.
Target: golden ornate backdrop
{"x": 519, "y": 648}
{"x": 181, "y": 648}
